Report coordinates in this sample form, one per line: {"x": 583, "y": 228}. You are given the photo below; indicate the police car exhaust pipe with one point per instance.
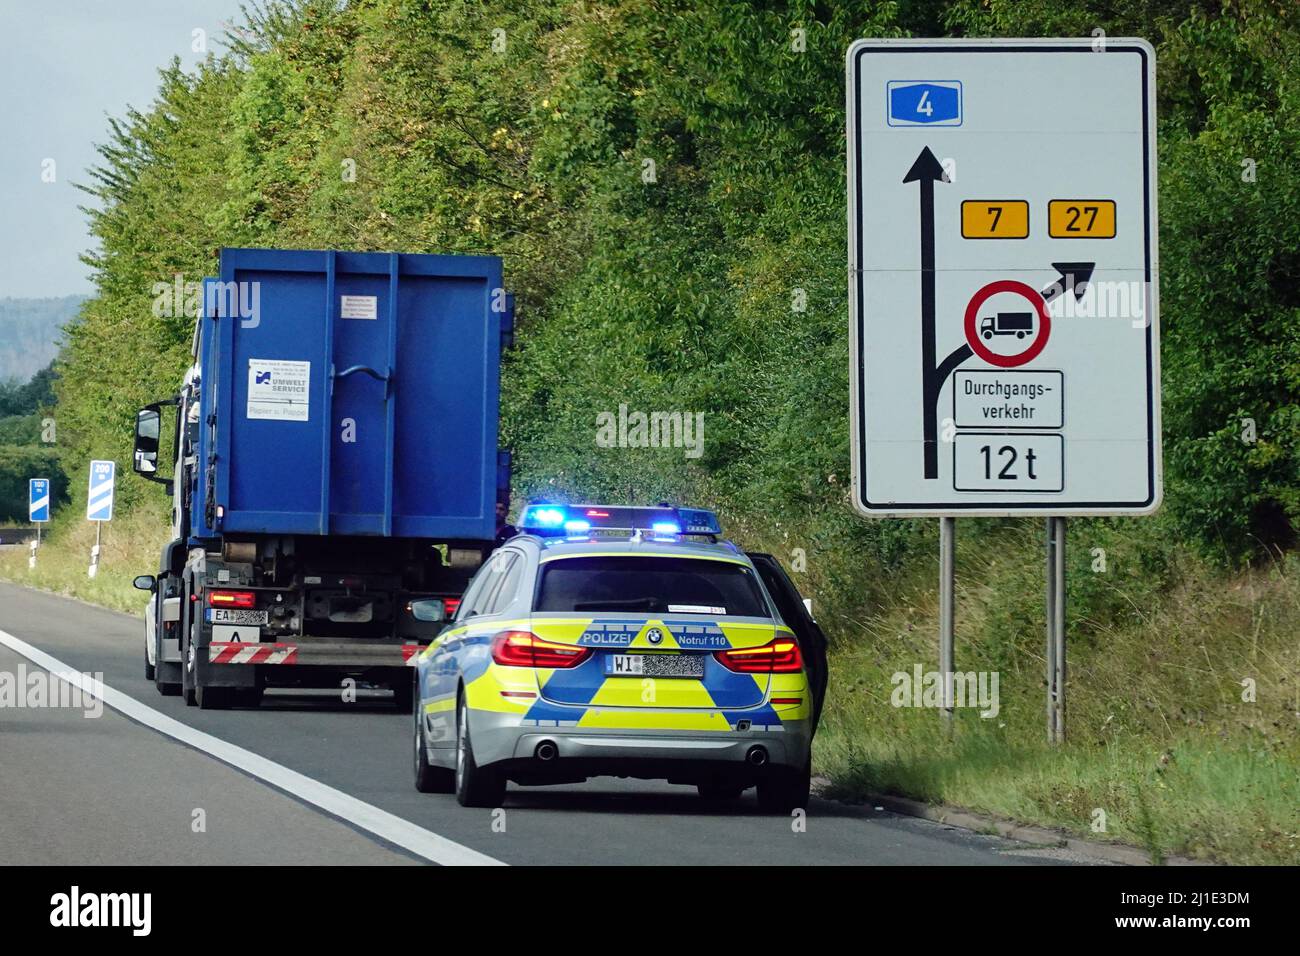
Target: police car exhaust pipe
{"x": 546, "y": 750}
{"x": 757, "y": 756}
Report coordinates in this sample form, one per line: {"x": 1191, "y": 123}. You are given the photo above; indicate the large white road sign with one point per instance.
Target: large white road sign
{"x": 1002, "y": 243}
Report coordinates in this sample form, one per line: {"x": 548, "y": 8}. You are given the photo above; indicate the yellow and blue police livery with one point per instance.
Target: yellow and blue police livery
{"x": 617, "y": 641}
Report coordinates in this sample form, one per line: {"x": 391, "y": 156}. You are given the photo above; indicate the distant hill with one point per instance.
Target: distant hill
{"x": 29, "y": 333}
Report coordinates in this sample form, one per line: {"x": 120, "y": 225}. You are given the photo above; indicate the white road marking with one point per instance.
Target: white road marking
{"x": 387, "y": 826}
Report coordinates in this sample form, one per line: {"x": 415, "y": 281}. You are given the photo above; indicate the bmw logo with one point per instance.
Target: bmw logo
{"x": 654, "y": 636}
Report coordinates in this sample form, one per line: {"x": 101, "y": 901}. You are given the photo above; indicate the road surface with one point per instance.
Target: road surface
{"x": 309, "y": 779}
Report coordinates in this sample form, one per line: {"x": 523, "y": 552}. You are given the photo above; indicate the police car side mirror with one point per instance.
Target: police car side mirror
{"x": 429, "y": 610}
{"x": 144, "y": 582}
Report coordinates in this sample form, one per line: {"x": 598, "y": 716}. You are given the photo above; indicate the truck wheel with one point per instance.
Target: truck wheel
{"x": 187, "y": 675}
{"x": 786, "y": 790}
{"x": 428, "y": 778}
{"x": 404, "y": 694}
{"x": 212, "y": 698}
{"x": 167, "y": 689}
{"x": 475, "y": 786}
{"x": 248, "y": 696}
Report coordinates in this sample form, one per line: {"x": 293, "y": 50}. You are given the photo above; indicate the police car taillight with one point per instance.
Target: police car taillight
{"x": 526, "y": 649}
{"x": 781, "y": 656}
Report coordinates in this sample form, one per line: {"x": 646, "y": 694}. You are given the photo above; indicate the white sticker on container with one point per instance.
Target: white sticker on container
{"x": 279, "y": 390}
{"x": 359, "y": 307}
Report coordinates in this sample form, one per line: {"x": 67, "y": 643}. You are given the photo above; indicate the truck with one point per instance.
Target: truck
{"x": 1018, "y": 324}
{"x": 333, "y": 467}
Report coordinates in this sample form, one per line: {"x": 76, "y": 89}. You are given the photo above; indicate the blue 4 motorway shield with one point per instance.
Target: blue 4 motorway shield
{"x": 933, "y": 103}
{"x": 38, "y": 499}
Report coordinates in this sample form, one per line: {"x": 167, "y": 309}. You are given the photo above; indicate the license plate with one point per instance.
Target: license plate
{"x": 654, "y": 665}
{"x": 226, "y": 615}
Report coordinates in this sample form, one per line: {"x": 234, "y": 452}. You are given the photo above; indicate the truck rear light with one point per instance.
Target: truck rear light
{"x": 526, "y": 649}
{"x": 239, "y": 599}
{"x": 780, "y": 656}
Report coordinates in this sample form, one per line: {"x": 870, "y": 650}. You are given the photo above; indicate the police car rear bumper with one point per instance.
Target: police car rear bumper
{"x": 499, "y": 737}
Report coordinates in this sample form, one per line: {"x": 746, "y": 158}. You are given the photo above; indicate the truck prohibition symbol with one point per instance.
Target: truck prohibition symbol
{"x": 1018, "y": 324}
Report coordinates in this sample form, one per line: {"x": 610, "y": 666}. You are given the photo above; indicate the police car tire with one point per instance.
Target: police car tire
{"x": 785, "y": 790}
{"x": 149, "y": 671}
{"x": 475, "y": 786}
{"x": 428, "y": 778}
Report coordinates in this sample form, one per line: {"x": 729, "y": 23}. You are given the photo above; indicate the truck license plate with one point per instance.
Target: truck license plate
{"x": 654, "y": 665}
{"x": 226, "y": 615}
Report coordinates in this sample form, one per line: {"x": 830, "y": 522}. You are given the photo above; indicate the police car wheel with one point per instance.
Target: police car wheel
{"x": 719, "y": 792}
{"x": 785, "y": 790}
{"x": 475, "y": 786}
{"x": 428, "y": 778}
{"x": 149, "y": 671}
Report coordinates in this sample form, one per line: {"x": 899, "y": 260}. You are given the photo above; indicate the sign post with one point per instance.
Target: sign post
{"x": 947, "y": 617}
{"x": 99, "y": 504}
{"x": 38, "y": 511}
{"x": 1003, "y": 291}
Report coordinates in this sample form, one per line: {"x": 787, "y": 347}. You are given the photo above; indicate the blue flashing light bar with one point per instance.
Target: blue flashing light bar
{"x": 586, "y": 519}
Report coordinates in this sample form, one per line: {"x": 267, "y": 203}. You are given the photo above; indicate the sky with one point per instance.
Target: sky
{"x": 67, "y": 66}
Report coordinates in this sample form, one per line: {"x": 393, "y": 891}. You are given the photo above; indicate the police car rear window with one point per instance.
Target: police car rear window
{"x": 652, "y": 584}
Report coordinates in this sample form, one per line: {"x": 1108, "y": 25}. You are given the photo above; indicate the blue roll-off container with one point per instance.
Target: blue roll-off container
{"x": 350, "y": 394}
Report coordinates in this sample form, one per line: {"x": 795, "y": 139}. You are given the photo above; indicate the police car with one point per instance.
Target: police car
{"x": 621, "y": 641}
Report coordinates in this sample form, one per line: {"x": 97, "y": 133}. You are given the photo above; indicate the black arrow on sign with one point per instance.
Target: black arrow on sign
{"x": 1074, "y": 277}
{"x": 927, "y": 170}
